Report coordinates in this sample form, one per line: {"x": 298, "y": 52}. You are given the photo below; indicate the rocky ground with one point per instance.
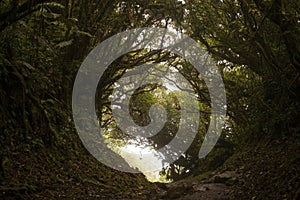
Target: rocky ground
{"x": 213, "y": 186}
{"x": 268, "y": 171}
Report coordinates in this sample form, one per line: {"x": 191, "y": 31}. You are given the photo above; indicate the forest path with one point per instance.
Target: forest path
{"x": 215, "y": 186}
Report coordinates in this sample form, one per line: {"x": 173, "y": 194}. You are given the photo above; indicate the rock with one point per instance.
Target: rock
{"x": 227, "y": 176}
{"x": 201, "y": 188}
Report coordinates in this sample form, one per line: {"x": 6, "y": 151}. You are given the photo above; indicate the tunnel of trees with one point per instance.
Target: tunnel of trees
{"x": 255, "y": 43}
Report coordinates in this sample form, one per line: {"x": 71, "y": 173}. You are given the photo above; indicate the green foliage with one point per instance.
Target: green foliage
{"x": 41, "y": 47}
{"x": 42, "y": 43}
{"x": 252, "y": 35}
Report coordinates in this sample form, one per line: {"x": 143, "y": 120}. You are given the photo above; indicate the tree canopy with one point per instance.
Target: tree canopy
{"x": 254, "y": 43}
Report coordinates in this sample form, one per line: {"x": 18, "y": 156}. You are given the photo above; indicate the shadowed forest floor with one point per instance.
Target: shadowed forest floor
{"x": 255, "y": 50}
{"x": 268, "y": 171}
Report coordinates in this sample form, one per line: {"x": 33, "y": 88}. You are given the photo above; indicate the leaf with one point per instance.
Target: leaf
{"x": 5, "y": 160}
{"x": 54, "y": 4}
{"x": 29, "y": 66}
{"x": 23, "y": 23}
{"x": 84, "y": 33}
{"x": 64, "y": 44}
{"x": 73, "y": 19}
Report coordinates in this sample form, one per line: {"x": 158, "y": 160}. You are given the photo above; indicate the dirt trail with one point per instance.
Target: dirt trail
{"x": 217, "y": 186}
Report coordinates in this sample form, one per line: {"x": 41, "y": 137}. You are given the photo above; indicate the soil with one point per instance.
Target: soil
{"x": 268, "y": 171}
